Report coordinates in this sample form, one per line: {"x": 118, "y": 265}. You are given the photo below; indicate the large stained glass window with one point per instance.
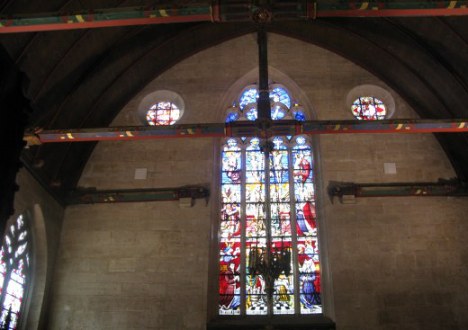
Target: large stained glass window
{"x": 14, "y": 272}
{"x": 368, "y": 108}
{"x": 268, "y": 242}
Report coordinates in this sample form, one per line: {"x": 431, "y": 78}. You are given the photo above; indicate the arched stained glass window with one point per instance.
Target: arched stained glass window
{"x": 268, "y": 238}
{"x": 163, "y": 113}
{"x": 14, "y": 271}
{"x": 369, "y": 108}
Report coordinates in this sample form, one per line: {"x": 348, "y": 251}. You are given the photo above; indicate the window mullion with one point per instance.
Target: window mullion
{"x": 243, "y": 273}
{"x": 266, "y": 203}
{"x": 292, "y": 219}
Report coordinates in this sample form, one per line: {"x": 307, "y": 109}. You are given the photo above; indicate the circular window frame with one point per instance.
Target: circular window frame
{"x": 372, "y": 91}
{"x": 160, "y": 96}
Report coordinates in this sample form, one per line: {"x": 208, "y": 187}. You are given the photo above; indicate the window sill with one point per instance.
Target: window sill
{"x": 318, "y": 322}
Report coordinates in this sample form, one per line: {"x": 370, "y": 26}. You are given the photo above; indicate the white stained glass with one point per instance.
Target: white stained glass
{"x": 15, "y": 289}
{"x": 12, "y": 302}
{"x": 163, "y": 113}
{"x": 13, "y": 279}
{"x": 23, "y": 235}
{"x": 21, "y": 249}
{"x": 20, "y": 222}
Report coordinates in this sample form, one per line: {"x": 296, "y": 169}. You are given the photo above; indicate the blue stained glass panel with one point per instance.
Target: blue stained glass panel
{"x": 251, "y": 114}
{"x": 248, "y": 96}
{"x": 299, "y": 116}
{"x": 232, "y": 116}
{"x": 279, "y": 94}
{"x": 279, "y": 176}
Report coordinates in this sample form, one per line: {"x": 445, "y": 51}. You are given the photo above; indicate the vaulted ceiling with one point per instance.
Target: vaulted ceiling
{"x": 82, "y": 78}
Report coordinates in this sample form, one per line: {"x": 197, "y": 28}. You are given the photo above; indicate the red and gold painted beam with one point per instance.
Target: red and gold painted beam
{"x": 246, "y": 129}
{"x": 390, "y": 8}
{"x": 346, "y": 192}
{"x": 224, "y": 11}
{"x": 109, "y": 17}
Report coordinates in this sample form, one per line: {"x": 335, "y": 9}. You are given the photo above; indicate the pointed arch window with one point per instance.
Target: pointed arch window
{"x": 268, "y": 243}
{"x": 14, "y": 271}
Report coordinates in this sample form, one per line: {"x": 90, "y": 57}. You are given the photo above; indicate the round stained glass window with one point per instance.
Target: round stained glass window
{"x": 368, "y": 108}
{"x": 163, "y": 113}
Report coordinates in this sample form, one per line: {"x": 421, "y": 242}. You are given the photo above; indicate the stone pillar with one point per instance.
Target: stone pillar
{"x": 13, "y": 118}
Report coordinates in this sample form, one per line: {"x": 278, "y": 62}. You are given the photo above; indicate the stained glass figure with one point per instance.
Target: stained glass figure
{"x": 14, "y": 271}
{"x": 269, "y": 259}
{"x": 163, "y": 113}
{"x": 368, "y": 108}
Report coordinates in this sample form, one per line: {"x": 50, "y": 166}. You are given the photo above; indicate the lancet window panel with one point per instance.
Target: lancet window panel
{"x": 267, "y": 231}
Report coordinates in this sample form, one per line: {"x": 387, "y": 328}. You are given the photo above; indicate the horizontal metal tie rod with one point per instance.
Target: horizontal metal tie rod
{"x": 346, "y": 192}
{"x": 224, "y": 11}
{"x": 246, "y": 129}
{"x": 91, "y": 195}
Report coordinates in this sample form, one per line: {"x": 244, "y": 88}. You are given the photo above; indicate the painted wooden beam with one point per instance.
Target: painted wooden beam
{"x": 224, "y": 11}
{"x": 246, "y": 129}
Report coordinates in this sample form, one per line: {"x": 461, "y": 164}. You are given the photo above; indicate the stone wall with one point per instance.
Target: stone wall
{"x": 394, "y": 263}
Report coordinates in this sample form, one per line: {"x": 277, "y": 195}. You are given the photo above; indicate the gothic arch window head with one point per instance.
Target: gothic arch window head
{"x": 282, "y": 106}
{"x": 15, "y": 265}
{"x": 269, "y": 260}
{"x": 161, "y": 108}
